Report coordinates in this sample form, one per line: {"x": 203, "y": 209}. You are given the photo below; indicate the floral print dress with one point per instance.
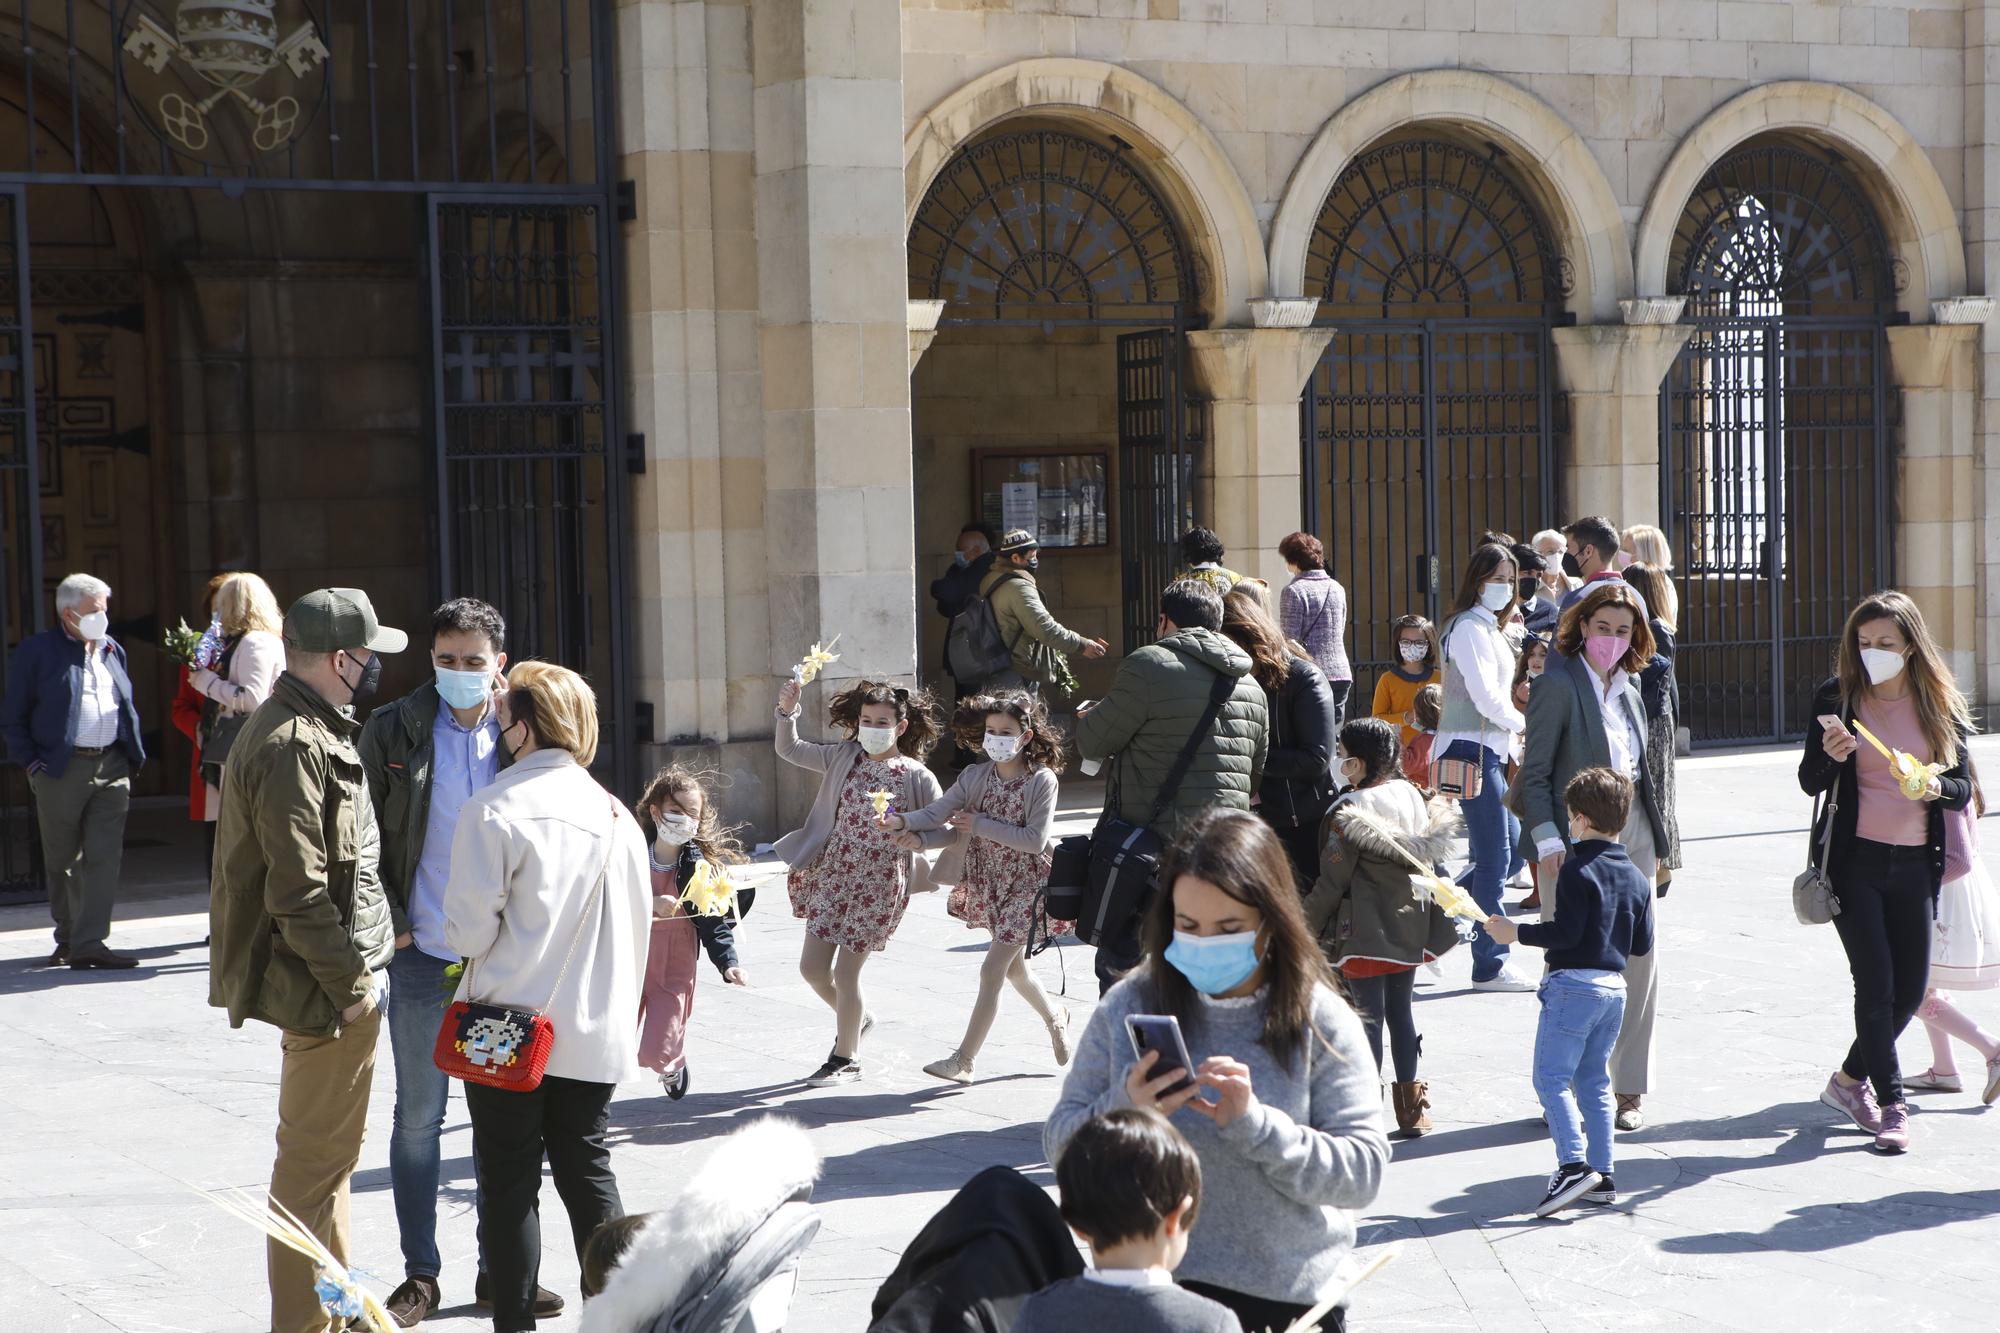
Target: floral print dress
{"x": 854, "y": 892}
{"x": 1002, "y": 885}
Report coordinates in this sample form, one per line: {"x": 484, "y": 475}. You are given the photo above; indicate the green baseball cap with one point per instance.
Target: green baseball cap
{"x": 333, "y": 619}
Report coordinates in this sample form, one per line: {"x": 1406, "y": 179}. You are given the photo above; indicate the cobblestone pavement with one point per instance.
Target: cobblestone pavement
{"x": 1743, "y": 1204}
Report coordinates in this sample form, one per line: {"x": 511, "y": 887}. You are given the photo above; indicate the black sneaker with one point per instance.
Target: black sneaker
{"x": 547, "y": 1304}
{"x": 835, "y": 1070}
{"x": 1601, "y": 1195}
{"x": 1570, "y": 1182}
{"x": 676, "y": 1084}
{"x": 413, "y": 1302}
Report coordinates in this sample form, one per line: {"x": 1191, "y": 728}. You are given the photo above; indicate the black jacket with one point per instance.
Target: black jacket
{"x": 999, "y": 1241}
{"x": 716, "y": 933}
{"x": 1298, "y": 769}
{"x": 954, "y": 590}
{"x": 1818, "y": 773}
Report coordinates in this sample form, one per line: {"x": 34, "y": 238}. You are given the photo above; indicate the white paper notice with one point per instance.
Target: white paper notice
{"x": 1020, "y": 504}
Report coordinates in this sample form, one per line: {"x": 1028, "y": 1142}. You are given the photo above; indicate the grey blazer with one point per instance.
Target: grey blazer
{"x": 1566, "y": 735}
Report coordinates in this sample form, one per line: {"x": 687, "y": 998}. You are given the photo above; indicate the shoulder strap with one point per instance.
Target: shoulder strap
{"x": 1830, "y": 804}
{"x": 1218, "y": 694}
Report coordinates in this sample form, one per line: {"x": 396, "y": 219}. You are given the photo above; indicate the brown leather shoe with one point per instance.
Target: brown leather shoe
{"x": 547, "y": 1304}
{"x": 1412, "y": 1104}
{"x": 103, "y": 958}
{"x": 60, "y": 958}
{"x": 413, "y": 1302}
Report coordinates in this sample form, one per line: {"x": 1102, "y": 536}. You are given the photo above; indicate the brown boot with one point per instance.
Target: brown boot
{"x": 1412, "y": 1099}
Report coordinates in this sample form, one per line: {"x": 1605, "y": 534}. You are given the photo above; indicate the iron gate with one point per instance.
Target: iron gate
{"x": 1158, "y": 439}
{"x": 21, "y": 611}
{"x": 1776, "y": 424}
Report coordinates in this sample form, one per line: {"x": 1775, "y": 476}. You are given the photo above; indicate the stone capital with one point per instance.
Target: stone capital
{"x": 922, "y": 322}
{"x": 1627, "y": 360}
{"x": 1933, "y": 356}
{"x": 1255, "y": 365}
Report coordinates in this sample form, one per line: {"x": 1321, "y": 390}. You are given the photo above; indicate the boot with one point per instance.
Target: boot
{"x": 1412, "y": 1099}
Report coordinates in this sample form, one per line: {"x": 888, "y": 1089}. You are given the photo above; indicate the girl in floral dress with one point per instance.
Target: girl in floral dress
{"x": 999, "y": 816}
{"x": 851, "y": 878}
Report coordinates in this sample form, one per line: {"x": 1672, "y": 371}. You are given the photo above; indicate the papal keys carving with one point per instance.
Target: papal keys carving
{"x": 235, "y": 45}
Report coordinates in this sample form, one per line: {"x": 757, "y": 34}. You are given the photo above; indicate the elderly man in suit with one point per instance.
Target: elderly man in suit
{"x": 1585, "y": 712}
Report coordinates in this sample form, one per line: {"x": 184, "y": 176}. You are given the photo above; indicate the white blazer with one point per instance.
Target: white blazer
{"x": 523, "y": 862}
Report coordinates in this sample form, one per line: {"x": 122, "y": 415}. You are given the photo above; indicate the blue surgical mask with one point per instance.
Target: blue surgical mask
{"x": 464, "y": 689}
{"x": 961, "y": 560}
{"x": 1214, "y": 963}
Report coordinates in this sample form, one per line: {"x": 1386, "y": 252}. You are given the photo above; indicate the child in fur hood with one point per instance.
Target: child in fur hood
{"x": 1376, "y": 924}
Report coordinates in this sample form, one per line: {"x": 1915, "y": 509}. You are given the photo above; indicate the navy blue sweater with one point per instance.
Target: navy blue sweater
{"x": 1604, "y": 911}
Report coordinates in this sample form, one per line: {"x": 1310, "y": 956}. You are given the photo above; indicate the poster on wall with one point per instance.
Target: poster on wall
{"x": 1060, "y": 496}
{"x": 1020, "y": 507}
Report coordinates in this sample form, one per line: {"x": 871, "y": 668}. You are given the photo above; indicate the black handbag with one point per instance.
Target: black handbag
{"x": 219, "y": 728}
{"x": 1069, "y": 877}
{"x": 1125, "y": 857}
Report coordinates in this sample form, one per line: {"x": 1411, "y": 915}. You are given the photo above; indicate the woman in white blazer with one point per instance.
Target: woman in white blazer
{"x": 538, "y": 930}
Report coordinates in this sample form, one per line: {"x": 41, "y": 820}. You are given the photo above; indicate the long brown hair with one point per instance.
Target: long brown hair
{"x": 1237, "y": 853}
{"x": 1044, "y": 747}
{"x": 1478, "y": 570}
{"x": 1942, "y": 710}
{"x": 912, "y": 706}
{"x": 1249, "y": 625}
{"x": 1658, "y": 590}
{"x": 1603, "y": 593}
{"x": 675, "y": 783}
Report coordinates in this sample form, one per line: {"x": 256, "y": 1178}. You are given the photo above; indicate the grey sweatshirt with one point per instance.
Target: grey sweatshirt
{"x": 1279, "y": 1184}
{"x": 1081, "y": 1303}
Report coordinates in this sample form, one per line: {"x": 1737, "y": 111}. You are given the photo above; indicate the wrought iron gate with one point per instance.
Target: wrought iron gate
{"x": 21, "y": 610}
{"x": 1777, "y": 426}
{"x": 1158, "y": 439}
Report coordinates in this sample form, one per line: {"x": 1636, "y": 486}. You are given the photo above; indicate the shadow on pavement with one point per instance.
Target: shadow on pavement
{"x": 34, "y": 974}
{"x": 1830, "y": 1226}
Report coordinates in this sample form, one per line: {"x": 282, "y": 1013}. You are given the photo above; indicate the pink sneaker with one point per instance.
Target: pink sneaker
{"x": 1895, "y": 1134}
{"x": 1857, "y": 1103}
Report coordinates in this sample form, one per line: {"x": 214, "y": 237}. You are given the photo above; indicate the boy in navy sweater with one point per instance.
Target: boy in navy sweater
{"x": 1604, "y": 915}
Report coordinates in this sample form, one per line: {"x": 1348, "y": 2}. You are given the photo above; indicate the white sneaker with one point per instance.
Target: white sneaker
{"x": 1932, "y": 1081}
{"x": 1505, "y": 980}
{"x": 1992, "y": 1081}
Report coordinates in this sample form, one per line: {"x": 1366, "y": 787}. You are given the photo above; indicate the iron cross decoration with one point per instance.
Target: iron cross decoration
{"x": 233, "y": 44}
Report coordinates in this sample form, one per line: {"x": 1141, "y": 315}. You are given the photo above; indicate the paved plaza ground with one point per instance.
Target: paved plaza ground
{"x": 1744, "y": 1204}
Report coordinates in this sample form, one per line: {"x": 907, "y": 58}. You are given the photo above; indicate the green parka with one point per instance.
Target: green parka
{"x": 1026, "y": 627}
{"x": 296, "y": 913}
{"x": 1154, "y": 705}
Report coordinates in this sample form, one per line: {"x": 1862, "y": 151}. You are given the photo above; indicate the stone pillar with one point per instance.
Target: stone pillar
{"x": 1982, "y": 266}
{"x": 834, "y": 341}
{"x": 1936, "y": 368}
{"x": 1253, "y": 378}
{"x": 1613, "y": 373}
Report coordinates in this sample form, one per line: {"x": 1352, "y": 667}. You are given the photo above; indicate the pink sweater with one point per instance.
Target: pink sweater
{"x": 1886, "y": 815}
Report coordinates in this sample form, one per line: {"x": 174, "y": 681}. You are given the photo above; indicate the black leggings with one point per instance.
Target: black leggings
{"x": 1258, "y": 1315}
{"x": 1388, "y": 997}
{"x": 1884, "y": 923}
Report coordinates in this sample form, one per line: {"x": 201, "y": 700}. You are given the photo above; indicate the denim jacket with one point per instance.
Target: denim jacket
{"x": 44, "y": 698}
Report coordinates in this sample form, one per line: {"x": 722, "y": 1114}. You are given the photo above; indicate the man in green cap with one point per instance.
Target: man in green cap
{"x": 300, "y": 929}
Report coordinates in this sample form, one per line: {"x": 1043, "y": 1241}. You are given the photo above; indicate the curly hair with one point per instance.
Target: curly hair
{"x": 676, "y": 783}
{"x": 912, "y": 706}
{"x": 1603, "y": 593}
{"x": 1250, "y": 627}
{"x": 1044, "y": 748}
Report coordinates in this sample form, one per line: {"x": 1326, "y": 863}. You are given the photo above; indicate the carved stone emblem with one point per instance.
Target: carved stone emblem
{"x": 233, "y": 44}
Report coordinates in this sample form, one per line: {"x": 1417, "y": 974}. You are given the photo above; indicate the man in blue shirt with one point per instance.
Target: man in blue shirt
{"x": 425, "y": 755}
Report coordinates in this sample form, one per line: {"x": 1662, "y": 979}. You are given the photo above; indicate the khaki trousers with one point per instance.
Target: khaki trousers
{"x": 322, "y": 1110}
{"x": 82, "y": 819}
{"x": 1632, "y": 1057}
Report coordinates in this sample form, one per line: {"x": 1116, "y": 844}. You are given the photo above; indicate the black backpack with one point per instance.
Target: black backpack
{"x": 974, "y": 650}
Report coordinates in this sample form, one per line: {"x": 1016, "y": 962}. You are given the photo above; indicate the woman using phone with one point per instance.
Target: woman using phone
{"x": 1885, "y": 859}
{"x": 1285, "y": 1112}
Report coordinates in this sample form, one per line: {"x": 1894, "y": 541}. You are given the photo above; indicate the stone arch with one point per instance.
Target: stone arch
{"x": 1915, "y": 211}
{"x": 1556, "y": 166}
{"x": 1183, "y": 160}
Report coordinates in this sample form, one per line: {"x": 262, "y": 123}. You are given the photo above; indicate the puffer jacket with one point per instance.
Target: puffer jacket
{"x": 297, "y": 915}
{"x": 1158, "y": 697}
{"x": 1026, "y": 627}
{"x": 1364, "y": 906}
{"x": 1298, "y": 772}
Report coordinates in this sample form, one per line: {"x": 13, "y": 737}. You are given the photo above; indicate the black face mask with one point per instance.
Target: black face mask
{"x": 1571, "y": 567}
{"x": 1528, "y": 587}
{"x": 371, "y": 680}
{"x": 511, "y": 752}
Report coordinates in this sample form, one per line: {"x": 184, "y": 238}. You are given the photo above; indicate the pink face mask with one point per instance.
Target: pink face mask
{"x": 1604, "y": 650}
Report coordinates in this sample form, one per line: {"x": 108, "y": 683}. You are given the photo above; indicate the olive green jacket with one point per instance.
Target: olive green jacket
{"x": 296, "y": 912}
{"x": 1026, "y": 627}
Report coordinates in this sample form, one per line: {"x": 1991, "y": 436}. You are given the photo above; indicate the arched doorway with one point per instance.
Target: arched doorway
{"x": 1053, "y": 396}
{"x": 1433, "y": 415}
{"x": 1776, "y": 424}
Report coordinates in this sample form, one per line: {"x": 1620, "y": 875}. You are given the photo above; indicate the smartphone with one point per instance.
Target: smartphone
{"x": 1162, "y": 1033}
{"x": 1831, "y": 722}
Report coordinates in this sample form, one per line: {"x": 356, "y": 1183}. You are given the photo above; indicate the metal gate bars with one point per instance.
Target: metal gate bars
{"x": 1158, "y": 438}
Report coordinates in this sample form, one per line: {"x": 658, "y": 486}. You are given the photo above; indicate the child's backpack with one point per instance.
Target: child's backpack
{"x": 974, "y": 650}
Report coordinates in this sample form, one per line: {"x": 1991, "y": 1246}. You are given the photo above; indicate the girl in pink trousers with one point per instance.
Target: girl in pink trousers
{"x": 682, "y": 833}
{"x": 1965, "y": 955}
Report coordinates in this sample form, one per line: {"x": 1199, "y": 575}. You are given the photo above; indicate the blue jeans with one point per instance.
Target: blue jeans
{"x": 418, "y": 996}
{"x": 1494, "y": 838}
{"x": 1573, "y": 1044}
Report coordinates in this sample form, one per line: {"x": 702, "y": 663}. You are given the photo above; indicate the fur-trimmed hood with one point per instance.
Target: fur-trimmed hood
{"x": 1426, "y": 829}
{"x": 751, "y": 1173}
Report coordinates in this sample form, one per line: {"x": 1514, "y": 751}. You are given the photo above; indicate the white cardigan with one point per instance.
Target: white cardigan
{"x": 523, "y": 862}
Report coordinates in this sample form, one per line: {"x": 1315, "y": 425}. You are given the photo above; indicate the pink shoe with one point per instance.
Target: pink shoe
{"x": 1895, "y": 1134}
{"x": 1856, "y": 1103}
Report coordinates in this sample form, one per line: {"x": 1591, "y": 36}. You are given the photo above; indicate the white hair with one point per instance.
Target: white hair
{"x": 77, "y": 589}
{"x": 1549, "y": 535}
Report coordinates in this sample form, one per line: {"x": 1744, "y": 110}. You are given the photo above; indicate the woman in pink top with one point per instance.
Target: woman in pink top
{"x": 1886, "y": 855}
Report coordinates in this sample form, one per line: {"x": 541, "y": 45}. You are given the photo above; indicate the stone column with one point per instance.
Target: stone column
{"x": 1613, "y": 373}
{"x": 1982, "y": 265}
{"x": 834, "y": 341}
{"x": 1936, "y": 368}
{"x": 1253, "y": 378}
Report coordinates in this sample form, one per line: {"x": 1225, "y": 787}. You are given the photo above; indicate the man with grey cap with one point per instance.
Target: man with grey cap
{"x": 300, "y": 928}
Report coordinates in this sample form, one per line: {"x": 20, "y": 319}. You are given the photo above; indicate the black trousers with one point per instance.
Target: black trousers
{"x": 1341, "y": 689}
{"x": 511, "y": 1133}
{"x": 1884, "y": 923}
{"x": 1118, "y": 954}
{"x": 1388, "y": 997}
{"x": 1302, "y": 850}
{"x": 1257, "y": 1314}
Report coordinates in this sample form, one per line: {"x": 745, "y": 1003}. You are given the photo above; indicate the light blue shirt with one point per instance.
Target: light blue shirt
{"x": 462, "y": 761}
